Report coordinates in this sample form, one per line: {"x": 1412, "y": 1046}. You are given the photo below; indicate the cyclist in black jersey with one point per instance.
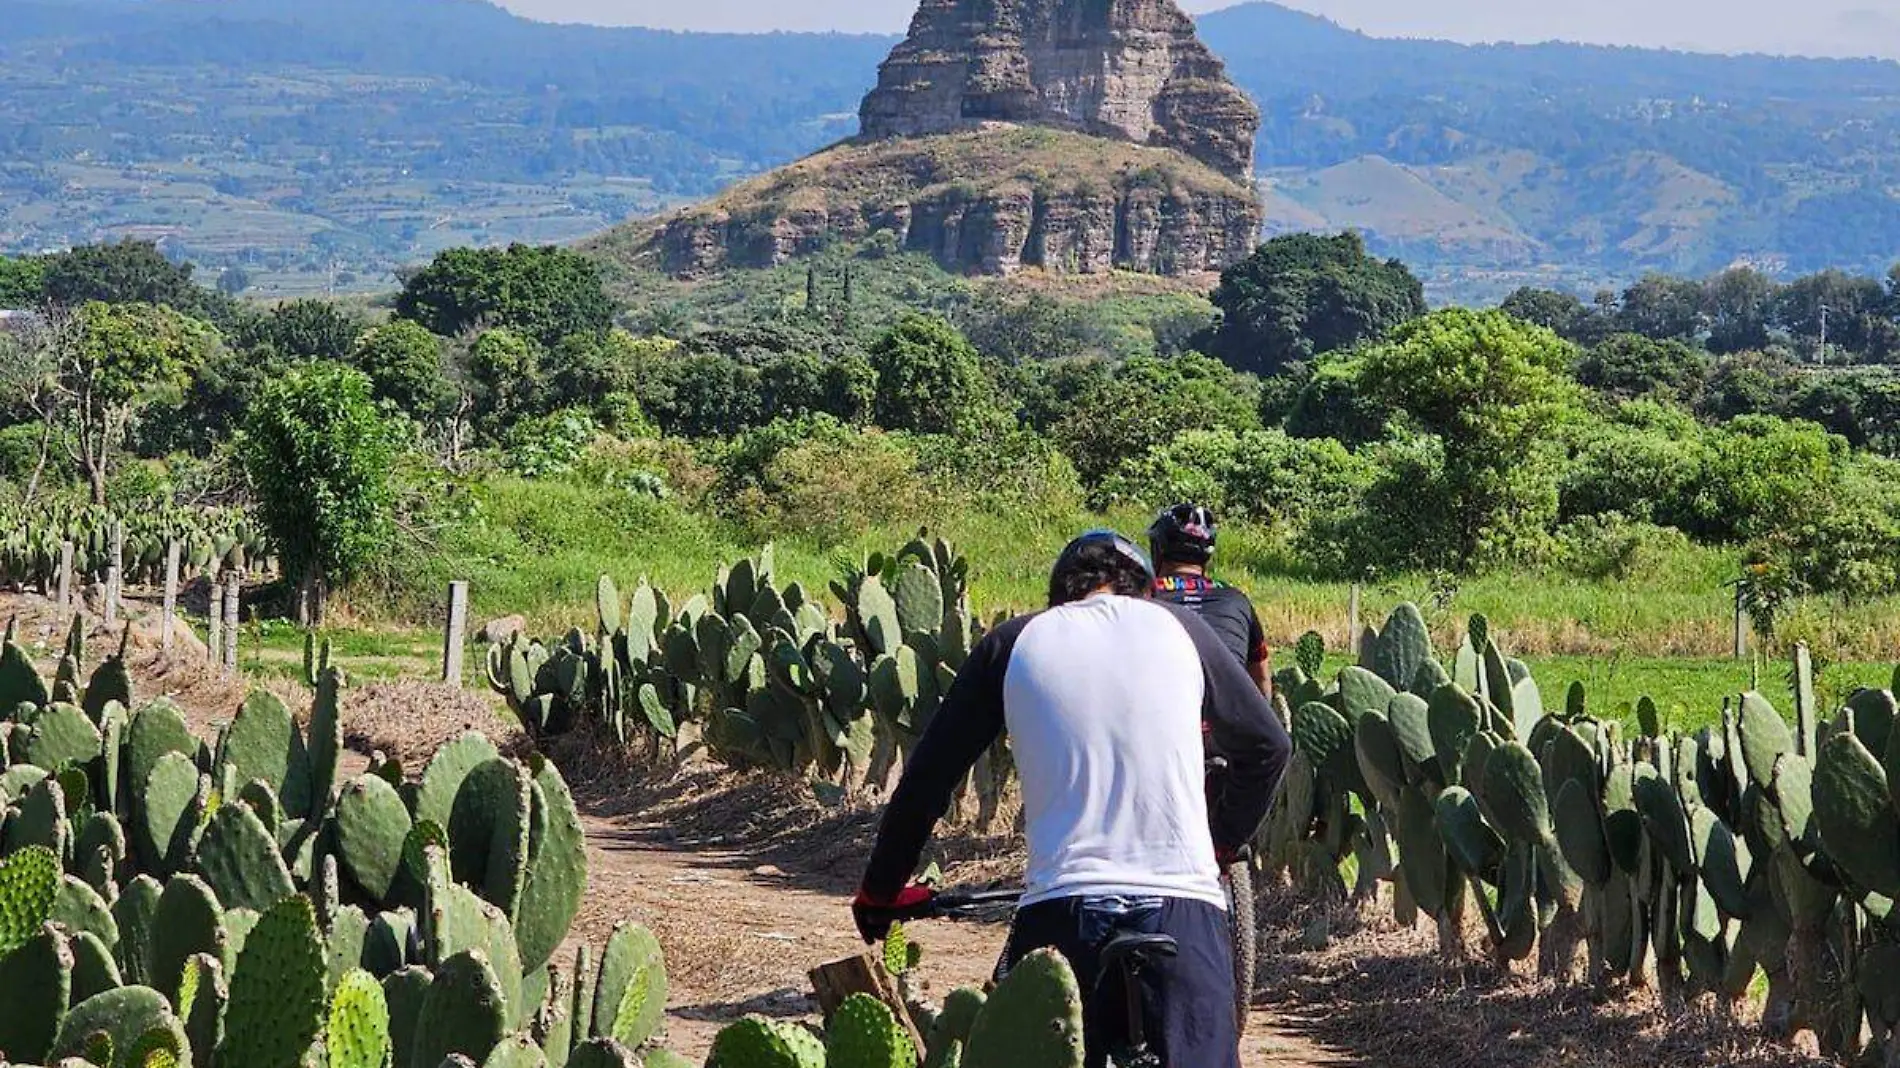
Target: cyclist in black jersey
{"x": 1182, "y": 542}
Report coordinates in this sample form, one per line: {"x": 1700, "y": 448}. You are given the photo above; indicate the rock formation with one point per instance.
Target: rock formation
{"x": 1128, "y": 69}
{"x": 1074, "y": 136}
{"x": 982, "y": 202}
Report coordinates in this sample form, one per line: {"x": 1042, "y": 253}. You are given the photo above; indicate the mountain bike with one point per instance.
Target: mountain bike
{"x": 1125, "y": 959}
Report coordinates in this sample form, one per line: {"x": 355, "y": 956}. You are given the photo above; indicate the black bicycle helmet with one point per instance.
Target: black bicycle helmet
{"x": 1184, "y": 534}
{"x": 1100, "y": 557}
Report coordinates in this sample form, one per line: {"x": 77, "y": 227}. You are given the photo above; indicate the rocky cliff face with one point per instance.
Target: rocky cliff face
{"x": 991, "y": 201}
{"x": 1127, "y": 69}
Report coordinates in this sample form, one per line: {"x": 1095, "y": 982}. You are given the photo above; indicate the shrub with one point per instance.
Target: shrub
{"x": 819, "y": 478}
{"x": 550, "y": 444}
{"x": 1613, "y": 546}
{"x": 1011, "y": 466}
{"x": 1256, "y": 474}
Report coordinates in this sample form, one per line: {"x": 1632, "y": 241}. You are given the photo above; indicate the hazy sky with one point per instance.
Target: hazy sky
{"x": 1822, "y": 27}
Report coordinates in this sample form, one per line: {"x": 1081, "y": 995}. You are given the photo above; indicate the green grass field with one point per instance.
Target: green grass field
{"x": 538, "y": 548}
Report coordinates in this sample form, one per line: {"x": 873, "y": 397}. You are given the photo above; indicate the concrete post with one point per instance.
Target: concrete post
{"x": 115, "y": 574}
{"x": 172, "y": 553}
{"x": 455, "y": 634}
{"x": 232, "y": 592}
{"x": 65, "y": 575}
{"x": 1352, "y": 619}
{"x": 1741, "y": 625}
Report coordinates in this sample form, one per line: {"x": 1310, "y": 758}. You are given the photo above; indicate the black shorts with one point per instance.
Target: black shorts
{"x": 1189, "y": 999}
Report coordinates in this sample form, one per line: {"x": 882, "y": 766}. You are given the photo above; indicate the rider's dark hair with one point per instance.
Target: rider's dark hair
{"x": 1093, "y": 565}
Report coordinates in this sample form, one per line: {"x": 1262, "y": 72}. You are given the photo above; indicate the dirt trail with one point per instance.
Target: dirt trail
{"x": 741, "y": 935}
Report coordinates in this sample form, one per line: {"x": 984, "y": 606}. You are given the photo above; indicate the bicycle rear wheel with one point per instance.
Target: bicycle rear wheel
{"x": 1238, "y": 879}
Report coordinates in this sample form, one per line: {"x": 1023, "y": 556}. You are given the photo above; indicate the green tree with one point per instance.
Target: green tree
{"x": 1740, "y": 303}
{"x": 129, "y": 272}
{"x": 930, "y": 379}
{"x": 1564, "y": 314}
{"x": 1146, "y": 403}
{"x": 319, "y": 457}
{"x": 1663, "y": 308}
{"x": 1303, "y": 294}
{"x": 545, "y": 293}
{"x": 404, "y": 363}
{"x": 1630, "y": 365}
{"x": 1492, "y": 390}
{"x": 307, "y": 330}
{"x": 22, "y": 282}
{"x": 506, "y": 369}
{"x": 1747, "y": 383}
{"x": 116, "y": 360}
{"x": 1853, "y": 309}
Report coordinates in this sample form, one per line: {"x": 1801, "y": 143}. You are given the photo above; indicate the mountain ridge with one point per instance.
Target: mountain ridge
{"x": 377, "y": 132}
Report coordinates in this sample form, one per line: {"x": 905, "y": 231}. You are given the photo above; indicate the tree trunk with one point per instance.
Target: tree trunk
{"x": 39, "y": 462}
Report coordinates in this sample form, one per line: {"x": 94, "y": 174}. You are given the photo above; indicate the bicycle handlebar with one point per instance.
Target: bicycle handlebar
{"x": 959, "y": 905}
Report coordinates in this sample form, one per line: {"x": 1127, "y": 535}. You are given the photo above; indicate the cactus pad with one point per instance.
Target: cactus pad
{"x": 863, "y": 1033}
{"x": 488, "y": 831}
{"x": 556, "y": 868}
{"x": 1514, "y": 793}
{"x": 94, "y": 970}
{"x": 62, "y": 736}
{"x": 372, "y": 824}
{"x": 78, "y": 907}
{"x": 277, "y": 995}
{"x": 1854, "y": 811}
{"x": 951, "y": 1029}
{"x": 464, "y": 1012}
{"x": 442, "y": 778}
{"x": 259, "y": 742}
{"x": 126, "y": 1017}
{"x": 404, "y": 992}
{"x": 29, "y": 883}
{"x": 603, "y": 1053}
{"x": 238, "y": 858}
{"x": 630, "y": 998}
{"x": 1033, "y": 1017}
{"x": 36, "y": 984}
{"x": 755, "y": 1042}
{"x": 186, "y": 920}
{"x": 165, "y": 804}
{"x": 516, "y": 1051}
{"x": 358, "y": 1031}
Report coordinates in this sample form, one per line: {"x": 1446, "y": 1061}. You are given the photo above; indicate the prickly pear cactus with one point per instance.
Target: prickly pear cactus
{"x": 756, "y": 1042}
{"x": 29, "y": 881}
{"x": 464, "y": 1012}
{"x": 516, "y": 1051}
{"x": 36, "y": 982}
{"x": 952, "y": 1027}
{"x": 277, "y": 994}
{"x": 1033, "y": 1017}
{"x": 125, "y": 1017}
{"x": 863, "y": 1033}
{"x": 239, "y": 858}
{"x": 372, "y": 823}
{"x": 556, "y": 868}
{"x": 630, "y": 996}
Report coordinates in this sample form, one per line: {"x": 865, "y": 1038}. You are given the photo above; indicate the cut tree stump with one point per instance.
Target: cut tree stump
{"x": 862, "y": 974}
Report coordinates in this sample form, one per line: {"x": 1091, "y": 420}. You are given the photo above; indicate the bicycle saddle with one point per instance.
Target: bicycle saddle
{"x": 1137, "y": 950}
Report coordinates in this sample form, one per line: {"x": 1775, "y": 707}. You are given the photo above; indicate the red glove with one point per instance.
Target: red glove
{"x": 874, "y": 916}
{"x": 1226, "y": 857}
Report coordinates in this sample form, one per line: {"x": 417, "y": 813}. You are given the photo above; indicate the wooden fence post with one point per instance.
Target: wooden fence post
{"x": 170, "y": 613}
{"x": 455, "y": 633}
{"x": 1352, "y": 620}
{"x": 232, "y": 593}
{"x": 115, "y": 573}
{"x": 65, "y": 575}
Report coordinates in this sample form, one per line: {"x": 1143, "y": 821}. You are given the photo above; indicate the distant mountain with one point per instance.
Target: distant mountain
{"x": 323, "y": 142}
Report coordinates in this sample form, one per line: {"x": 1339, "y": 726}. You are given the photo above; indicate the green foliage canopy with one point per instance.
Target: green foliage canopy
{"x": 545, "y": 293}
{"x": 319, "y": 457}
{"x": 1301, "y": 295}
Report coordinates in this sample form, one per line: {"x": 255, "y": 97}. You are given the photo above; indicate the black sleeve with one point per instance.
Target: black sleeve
{"x": 1246, "y": 732}
{"x": 967, "y": 724}
{"x": 1256, "y": 636}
